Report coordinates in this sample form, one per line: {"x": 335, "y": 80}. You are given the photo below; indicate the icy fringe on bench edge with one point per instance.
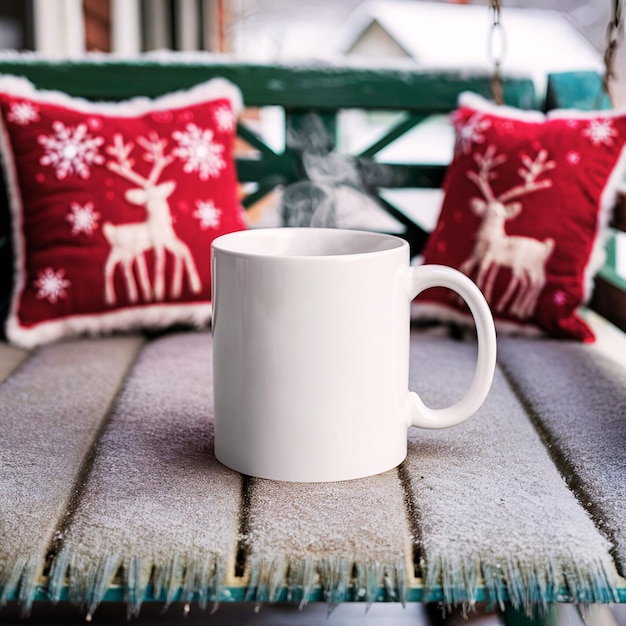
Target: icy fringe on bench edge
{"x": 452, "y": 581}
{"x": 198, "y": 579}
{"x": 527, "y": 587}
{"x": 335, "y": 575}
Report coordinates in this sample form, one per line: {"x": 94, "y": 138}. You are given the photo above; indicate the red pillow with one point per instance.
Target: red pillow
{"x": 114, "y": 207}
{"x": 527, "y": 200}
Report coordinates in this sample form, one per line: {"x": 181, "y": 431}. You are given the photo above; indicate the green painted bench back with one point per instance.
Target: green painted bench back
{"x": 323, "y": 90}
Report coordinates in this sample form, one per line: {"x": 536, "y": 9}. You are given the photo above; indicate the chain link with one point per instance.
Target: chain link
{"x": 614, "y": 35}
{"x": 496, "y": 49}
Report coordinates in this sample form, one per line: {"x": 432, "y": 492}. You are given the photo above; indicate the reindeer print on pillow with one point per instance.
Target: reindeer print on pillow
{"x": 130, "y": 242}
{"x": 526, "y": 257}
{"x": 527, "y": 197}
{"x": 106, "y": 205}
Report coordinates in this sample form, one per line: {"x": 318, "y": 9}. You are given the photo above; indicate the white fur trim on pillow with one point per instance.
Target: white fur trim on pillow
{"x": 211, "y": 90}
{"x": 153, "y": 316}
{"x": 474, "y": 101}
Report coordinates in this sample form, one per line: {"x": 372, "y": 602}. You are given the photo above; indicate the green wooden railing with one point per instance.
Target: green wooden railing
{"x": 300, "y": 91}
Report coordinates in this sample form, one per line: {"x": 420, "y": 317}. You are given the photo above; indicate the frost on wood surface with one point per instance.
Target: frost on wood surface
{"x": 157, "y": 502}
{"x": 60, "y": 395}
{"x": 298, "y": 531}
{"x": 585, "y": 427}
{"x": 489, "y": 501}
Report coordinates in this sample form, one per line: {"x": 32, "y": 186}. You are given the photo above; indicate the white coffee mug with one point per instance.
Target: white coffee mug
{"x": 311, "y": 352}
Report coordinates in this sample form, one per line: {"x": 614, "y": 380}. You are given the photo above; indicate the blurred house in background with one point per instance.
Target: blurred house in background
{"x": 540, "y": 36}
{"x": 448, "y": 36}
{"x": 267, "y": 28}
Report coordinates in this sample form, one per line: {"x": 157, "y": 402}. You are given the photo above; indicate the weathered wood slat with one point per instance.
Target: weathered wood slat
{"x": 577, "y": 395}
{"x": 51, "y": 411}
{"x": 352, "y": 537}
{"x": 156, "y": 503}
{"x": 491, "y": 508}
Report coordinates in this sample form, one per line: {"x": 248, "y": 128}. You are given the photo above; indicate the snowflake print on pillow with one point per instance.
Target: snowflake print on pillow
{"x": 527, "y": 200}
{"x": 84, "y": 219}
{"x": 23, "y": 113}
{"x": 51, "y": 285}
{"x": 207, "y": 213}
{"x": 199, "y": 152}
{"x": 70, "y": 150}
{"x": 114, "y": 207}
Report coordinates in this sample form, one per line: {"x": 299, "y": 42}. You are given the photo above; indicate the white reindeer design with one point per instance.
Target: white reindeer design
{"x": 494, "y": 249}
{"x": 130, "y": 242}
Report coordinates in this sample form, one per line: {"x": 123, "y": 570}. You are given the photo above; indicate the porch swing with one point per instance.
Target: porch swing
{"x": 485, "y": 533}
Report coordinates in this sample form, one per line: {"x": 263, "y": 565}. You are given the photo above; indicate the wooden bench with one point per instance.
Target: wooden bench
{"x": 326, "y": 91}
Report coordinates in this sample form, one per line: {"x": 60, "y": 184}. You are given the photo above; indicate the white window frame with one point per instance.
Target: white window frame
{"x": 59, "y": 28}
{"x": 125, "y": 27}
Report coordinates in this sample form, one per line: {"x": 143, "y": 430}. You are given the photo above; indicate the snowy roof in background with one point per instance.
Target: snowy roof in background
{"x": 439, "y": 35}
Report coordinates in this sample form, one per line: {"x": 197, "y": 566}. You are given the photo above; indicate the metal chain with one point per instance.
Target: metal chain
{"x": 614, "y": 35}
{"x": 497, "y": 49}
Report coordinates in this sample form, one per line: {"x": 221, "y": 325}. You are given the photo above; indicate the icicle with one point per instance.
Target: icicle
{"x": 137, "y": 579}
{"x": 58, "y": 573}
{"x": 253, "y": 584}
{"x": 28, "y": 586}
{"x": 95, "y": 592}
{"x": 309, "y": 578}
{"x": 276, "y": 577}
{"x": 213, "y": 575}
{"x": 87, "y": 584}
{"x": 266, "y": 579}
{"x": 20, "y": 577}
{"x": 335, "y": 576}
{"x": 175, "y": 572}
{"x": 527, "y": 587}
{"x": 10, "y": 577}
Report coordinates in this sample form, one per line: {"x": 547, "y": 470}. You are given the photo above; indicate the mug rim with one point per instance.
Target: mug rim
{"x": 226, "y": 243}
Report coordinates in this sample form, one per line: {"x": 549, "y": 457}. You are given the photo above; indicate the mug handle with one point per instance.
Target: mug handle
{"x": 422, "y": 278}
